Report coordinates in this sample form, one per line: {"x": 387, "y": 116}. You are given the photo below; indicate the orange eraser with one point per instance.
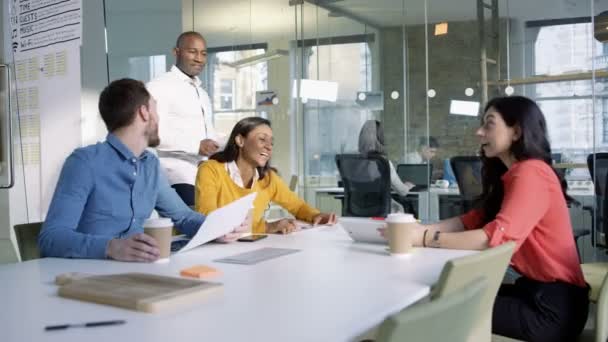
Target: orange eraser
{"x": 199, "y": 271}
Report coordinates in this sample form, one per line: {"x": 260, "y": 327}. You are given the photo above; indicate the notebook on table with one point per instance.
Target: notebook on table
{"x": 256, "y": 256}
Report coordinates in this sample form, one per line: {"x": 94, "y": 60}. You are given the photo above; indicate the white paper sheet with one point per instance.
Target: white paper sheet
{"x": 221, "y": 222}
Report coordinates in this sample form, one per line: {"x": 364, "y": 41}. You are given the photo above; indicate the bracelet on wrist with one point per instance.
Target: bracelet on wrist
{"x": 424, "y": 238}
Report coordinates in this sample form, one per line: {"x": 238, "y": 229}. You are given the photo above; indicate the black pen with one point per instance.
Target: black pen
{"x": 84, "y": 325}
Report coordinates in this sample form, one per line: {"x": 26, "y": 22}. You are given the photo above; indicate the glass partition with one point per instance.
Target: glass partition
{"x": 423, "y": 68}
{"x": 6, "y": 140}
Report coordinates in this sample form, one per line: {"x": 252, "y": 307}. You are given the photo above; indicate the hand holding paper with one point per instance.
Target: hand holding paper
{"x": 221, "y": 222}
{"x": 239, "y": 231}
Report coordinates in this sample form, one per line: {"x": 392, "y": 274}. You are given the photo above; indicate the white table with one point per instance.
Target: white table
{"x": 332, "y": 290}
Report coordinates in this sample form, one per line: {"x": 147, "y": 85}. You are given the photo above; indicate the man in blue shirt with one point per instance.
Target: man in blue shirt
{"x": 107, "y": 190}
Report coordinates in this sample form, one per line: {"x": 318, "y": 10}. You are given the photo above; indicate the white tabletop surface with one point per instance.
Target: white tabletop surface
{"x": 332, "y": 290}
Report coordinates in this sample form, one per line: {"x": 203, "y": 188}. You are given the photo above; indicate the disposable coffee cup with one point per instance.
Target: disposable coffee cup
{"x": 160, "y": 229}
{"x": 400, "y": 233}
{"x": 442, "y": 183}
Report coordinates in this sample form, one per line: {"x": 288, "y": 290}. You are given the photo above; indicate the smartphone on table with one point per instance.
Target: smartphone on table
{"x": 252, "y": 238}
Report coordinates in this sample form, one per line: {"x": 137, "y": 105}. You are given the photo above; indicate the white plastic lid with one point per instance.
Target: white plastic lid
{"x": 400, "y": 218}
{"x": 161, "y": 222}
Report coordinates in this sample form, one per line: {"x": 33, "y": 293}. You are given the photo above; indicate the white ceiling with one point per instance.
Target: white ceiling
{"x": 231, "y": 22}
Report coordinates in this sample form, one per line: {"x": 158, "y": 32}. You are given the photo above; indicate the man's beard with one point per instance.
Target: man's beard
{"x": 153, "y": 138}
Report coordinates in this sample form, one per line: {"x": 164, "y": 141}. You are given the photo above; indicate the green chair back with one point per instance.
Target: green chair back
{"x": 27, "y": 240}
{"x": 446, "y": 318}
{"x": 594, "y": 273}
{"x": 601, "y": 316}
{"x": 491, "y": 264}
{"x": 8, "y": 255}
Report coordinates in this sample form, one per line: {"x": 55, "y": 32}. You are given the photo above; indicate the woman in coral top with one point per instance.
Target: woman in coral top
{"x": 243, "y": 167}
{"x": 524, "y": 201}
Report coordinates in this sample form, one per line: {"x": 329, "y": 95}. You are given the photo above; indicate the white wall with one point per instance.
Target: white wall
{"x": 140, "y": 28}
{"x": 93, "y": 70}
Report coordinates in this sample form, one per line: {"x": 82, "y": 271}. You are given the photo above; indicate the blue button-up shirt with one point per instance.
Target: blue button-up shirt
{"x": 106, "y": 192}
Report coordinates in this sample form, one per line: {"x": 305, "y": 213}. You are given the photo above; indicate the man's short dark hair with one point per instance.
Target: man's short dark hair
{"x": 120, "y": 100}
{"x": 428, "y": 141}
{"x": 183, "y": 36}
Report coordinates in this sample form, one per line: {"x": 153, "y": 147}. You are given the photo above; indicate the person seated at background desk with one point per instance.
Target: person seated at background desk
{"x": 371, "y": 141}
{"x": 107, "y": 190}
{"x": 243, "y": 167}
{"x": 523, "y": 200}
{"x": 427, "y": 150}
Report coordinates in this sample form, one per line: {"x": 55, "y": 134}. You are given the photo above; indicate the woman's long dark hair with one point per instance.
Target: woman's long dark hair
{"x": 231, "y": 151}
{"x": 532, "y": 144}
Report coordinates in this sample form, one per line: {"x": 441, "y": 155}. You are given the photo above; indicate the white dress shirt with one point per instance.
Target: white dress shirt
{"x": 235, "y": 175}
{"x": 185, "y": 118}
{"x": 414, "y": 158}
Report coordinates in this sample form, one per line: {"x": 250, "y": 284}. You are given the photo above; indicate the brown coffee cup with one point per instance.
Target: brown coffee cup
{"x": 400, "y": 233}
{"x": 160, "y": 229}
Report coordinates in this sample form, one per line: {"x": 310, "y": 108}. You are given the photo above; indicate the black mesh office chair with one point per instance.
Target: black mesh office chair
{"x": 467, "y": 170}
{"x": 598, "y": 169}
{"x": 367, "y": 185}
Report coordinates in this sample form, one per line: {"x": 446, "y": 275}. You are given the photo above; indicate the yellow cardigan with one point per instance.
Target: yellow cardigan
{"x": 215, "y": 189}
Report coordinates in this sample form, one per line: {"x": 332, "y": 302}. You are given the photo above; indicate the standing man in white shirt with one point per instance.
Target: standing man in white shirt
{"x": 186, "y": 119}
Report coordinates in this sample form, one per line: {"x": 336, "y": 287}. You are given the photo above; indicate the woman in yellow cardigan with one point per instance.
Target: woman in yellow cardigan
{"x": 243, "y": 168}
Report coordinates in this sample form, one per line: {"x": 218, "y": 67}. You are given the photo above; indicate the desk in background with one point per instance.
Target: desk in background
{"x": 332, "y": 290}
{"x": 429, "y": 201}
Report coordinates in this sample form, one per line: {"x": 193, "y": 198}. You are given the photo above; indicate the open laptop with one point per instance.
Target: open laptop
{"x": 362, "y": 229}
{"x": 418, "y": 174}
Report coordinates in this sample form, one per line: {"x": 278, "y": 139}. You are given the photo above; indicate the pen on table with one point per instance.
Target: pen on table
{"x": 84, "y": 325}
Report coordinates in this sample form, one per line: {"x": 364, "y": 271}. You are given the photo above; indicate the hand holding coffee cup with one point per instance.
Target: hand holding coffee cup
{"x": 400, "y": 229}
{"x": 160, "y": 229}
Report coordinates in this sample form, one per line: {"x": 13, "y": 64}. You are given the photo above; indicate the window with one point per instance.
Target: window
{"x": 231, "y": 87}
{"x": 332, "y": 128}
{"x": 147, "y": 68}
{"x": 226, "y": 94}
{"x": 568, "y": 106}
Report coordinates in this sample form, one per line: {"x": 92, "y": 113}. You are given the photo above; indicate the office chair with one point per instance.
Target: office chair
{"x": 367, "y": 184}
{"x": 492, "y": 264}
{"x": 27, "y": 240}
{"x": 456, "y": 313}
{"x": 598, "y": 169}
{"x": 595, "y": 272}
{"x": 467, "y": 170}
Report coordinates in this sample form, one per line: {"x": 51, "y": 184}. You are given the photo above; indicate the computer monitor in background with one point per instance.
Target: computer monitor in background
{"x": 418, "y": 174}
